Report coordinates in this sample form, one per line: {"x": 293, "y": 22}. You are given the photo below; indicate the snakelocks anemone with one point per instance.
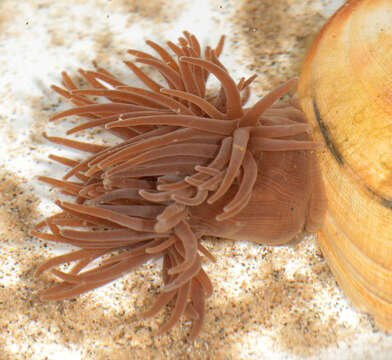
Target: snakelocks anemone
{"x": 187, "y": 163}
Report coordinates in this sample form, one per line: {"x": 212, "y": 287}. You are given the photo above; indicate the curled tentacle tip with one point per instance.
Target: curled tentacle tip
{"x": 220, "y": 217}
{"x": 161, "y": 227}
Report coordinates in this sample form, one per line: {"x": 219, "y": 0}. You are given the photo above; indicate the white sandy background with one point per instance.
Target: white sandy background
{"x": 268, "y": 303}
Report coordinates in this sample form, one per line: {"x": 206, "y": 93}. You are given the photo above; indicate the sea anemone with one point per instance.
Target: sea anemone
{"x": 187, "y": 163}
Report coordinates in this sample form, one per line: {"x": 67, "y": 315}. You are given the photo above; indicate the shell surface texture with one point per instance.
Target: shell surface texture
{"x": 187, "y": 162}
{"x": 345, "y": 90}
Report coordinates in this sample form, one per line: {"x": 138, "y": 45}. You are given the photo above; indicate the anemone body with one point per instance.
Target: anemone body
{"x": 279, "y": 209}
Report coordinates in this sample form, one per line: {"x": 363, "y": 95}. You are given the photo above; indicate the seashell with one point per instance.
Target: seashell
{"x": 185, "y": 164}
{"x": 345, "y": 90}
